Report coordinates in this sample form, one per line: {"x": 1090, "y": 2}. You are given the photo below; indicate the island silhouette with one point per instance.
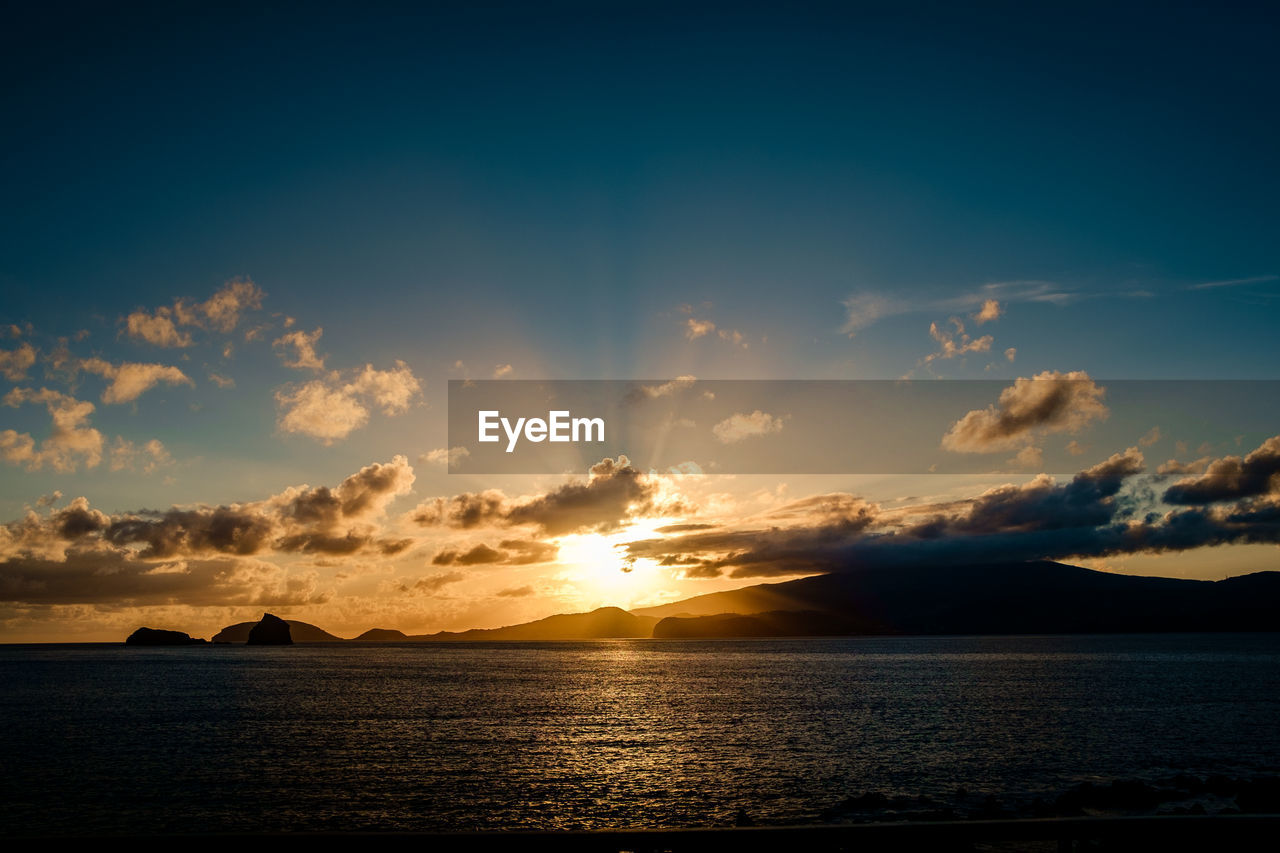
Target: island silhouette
{"x": 1039, "y": 597}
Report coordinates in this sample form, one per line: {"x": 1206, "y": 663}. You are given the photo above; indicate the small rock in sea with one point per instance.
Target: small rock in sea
{"x": 743, "y": 819}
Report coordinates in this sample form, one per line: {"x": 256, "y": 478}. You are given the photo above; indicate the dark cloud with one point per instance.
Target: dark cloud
{"x": 527, "y": 551}
{"x": 1232, "y": 478}
{"x": 226, "y": 530}
{"x": 433, "y": 583}
{"x": 80, "y": 554}
{"x": 613, "y": 493}
{"x": 77, "y": 519}
{"x": 516, "y": 552}
{"x": 112, "y": 576}
{"x": 466, "y": 510}
{"x": 478, "y": 556}
{"x": 1093, "y": 514}
{"x": 515, "y": 592}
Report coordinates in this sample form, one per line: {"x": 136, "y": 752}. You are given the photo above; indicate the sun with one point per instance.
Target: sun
{"x": 597, "y": 564}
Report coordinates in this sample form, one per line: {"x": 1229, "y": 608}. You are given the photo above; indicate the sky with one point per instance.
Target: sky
{"x": 245, "y": 250}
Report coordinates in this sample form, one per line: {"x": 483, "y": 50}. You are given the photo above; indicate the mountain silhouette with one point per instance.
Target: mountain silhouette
{"x": 603, "y": 623}
{"x": 1038, "y": 597}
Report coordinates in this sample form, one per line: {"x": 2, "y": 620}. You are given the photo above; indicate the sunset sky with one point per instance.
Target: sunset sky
{"x": 243, "y": 252}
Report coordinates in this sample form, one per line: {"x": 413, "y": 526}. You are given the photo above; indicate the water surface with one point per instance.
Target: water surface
{"x": 624, "y": 733}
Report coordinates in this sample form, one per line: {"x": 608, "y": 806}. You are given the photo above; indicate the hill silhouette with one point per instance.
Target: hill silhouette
{"x": 301, "y": 632}
{"x": 603, "y": 623}
{"x": 1039, "y": 597}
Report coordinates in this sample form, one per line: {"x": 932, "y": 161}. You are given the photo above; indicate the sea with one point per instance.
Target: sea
{"x": 106, "y": 739}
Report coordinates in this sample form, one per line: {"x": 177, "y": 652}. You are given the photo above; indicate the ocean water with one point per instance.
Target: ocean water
{"x": 608, "y": 734}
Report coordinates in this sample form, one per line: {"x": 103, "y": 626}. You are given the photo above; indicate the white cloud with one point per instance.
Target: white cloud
{"x": 330, "y": 409}
{"x": 324, "y": 412}
{"x": 445, "y": 458}
{"x": 220, "y": 312}
{"x": 989, "y": 311}
{"x": 304, "y": 347}
{"x": 740, "y": 426}
{"x": 131, "y": 380}
{"x": 149, "y": 456}
{"x": 14, "y": 364}
{"x": 71, "y": 442}
{"x": 393, "y": 390}
{"x": 697, "y": 328}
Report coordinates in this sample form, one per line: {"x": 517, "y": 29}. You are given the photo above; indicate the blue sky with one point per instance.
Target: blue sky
{"x": 562, "y": 188}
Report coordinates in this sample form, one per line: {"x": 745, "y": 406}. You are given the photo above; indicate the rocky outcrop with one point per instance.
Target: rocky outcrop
{"x": 158, "y": 637}
{"x": 301, "y": 632}
{"x": 271, "y": 631}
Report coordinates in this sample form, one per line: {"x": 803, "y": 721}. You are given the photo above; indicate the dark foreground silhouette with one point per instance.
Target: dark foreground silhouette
{"x": 1040, "y": 597}
{"x": 271, "y": 631}
{"x": 157, "y": 637}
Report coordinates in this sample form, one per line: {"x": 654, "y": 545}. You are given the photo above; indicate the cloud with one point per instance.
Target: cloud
{"x": 1028, "y": 457}
{"x": 613, "y": 493}
{"x": 1049, "y": 402}
{"x": 158, "y": 329}
{"x": 304, "y": 349}
{"x": 223, "y": 309}
{"x": 739, "y": 426}
{"x": 220, "y": 312}
{"x": 445, "y": 458}
{"x": 1091, "y": 515}
{"x": 391, "y": 390}
{"x": 223, "y": 382}
{"x": 479, "y": 555}
{"x": 131, "y": 380}
{"x": 464, "y": 511}
{"x": 1152, "y": 436}
{"x": 115, "y": 577}
{"x": 432, "y": 584}
{"x": 14, "y": 364}
{"x": 1103, "y": 510}
{"x": 1233, "y": 282}
{"x": 695, "y": 329}
{"x": 202, "y": 555}
{"x": 864, "y": 308}
{"x": 518, "y": 552}
{"x": 502, "y": 371}
{"x": 301, "y": 519}
{"x": 70, "y": 443}
{"x": 1011, "y": 353}
{"x": 1230, "y": 478}
{"x": 989, "y": 311}
{"x": 515, "y": 592}
{"x": 149, "y": 456}
{"x": 330, "y": 409}
{"x": 733, "y": 336}
{"x": 955, "y": 343}
{"x": 1174, "y": 468}
{"x": 666, "y": 389}
{"x": 322, "y": 411}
